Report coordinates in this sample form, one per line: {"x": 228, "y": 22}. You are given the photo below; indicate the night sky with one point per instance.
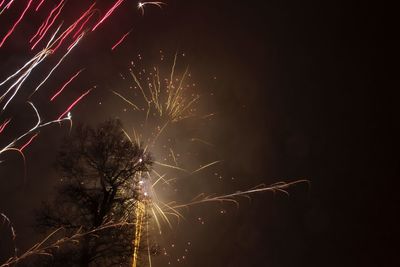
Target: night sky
{"x": 295, "y": 91}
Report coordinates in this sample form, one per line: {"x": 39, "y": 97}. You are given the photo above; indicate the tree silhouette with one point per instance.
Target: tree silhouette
{"x": 99, "y": 170}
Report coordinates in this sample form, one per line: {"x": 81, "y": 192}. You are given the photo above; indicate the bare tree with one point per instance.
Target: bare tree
{"x": 100, "y": 170}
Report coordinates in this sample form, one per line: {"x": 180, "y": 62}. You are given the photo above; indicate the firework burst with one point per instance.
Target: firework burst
{"x": 163, "y": 97}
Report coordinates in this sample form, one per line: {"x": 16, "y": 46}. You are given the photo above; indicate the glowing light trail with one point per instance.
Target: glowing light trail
{"x": 21, "y": 149}
{"x": 6, "y": 6}
{"x": 109, "y": 12}
{"x": 74, "y": 104}
{"x": 140, "y": 212}
{"x": 82, "y": 25}
{"x": 73, "y": 26}
{"x": 39, "y": 5}
{"x": 58, "y": 64}
{"x": 20, "y": 81}
{"x": 120, "y": 40}
{"x": 46, "y": 25}
{"x": 4, "y": 125}
{"x": 16, "y": 23}
{"x": 281, "y": 187}
{"x": 65, "y": 85}
{"x": 141, "y": 5}
{"x": 39, "y": 124}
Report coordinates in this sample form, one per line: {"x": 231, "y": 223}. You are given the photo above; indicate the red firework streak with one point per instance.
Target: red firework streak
{"x": 16, "y": 23}
{"x": 65, "y": 85}
{"x": 45, "y": 25}
{"x": 109, "y": 12}
{"x": 39, "y": 5}
{"x": 74, "y": 104}
{"x": 27, "y": 143}
{"x": 120, "y": 40}
{"x": 4, "y": 125}
{"x": 72, "y": 27}
{"x": 8, "y": 5}
{"x": 83, "y": 25}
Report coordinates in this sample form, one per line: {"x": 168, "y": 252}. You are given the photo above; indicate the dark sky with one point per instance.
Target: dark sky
{"x": 297, "y": 95}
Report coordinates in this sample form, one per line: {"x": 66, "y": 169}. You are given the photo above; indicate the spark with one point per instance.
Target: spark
{"x": 65, "y": 85}
{"x": 173, "y": 156}
{"x": 109, "y": 12}
{"x": 16, "y": 23}
{"x": 201, "y": 141}
{"x": 140, "y": 212}
{"x": 170, "y": 166}
{"x": 126, "y": 100}
{"x": 141, "y": 5}
{"x": 281, "y": 187}
{"x": 120, "y": 40}
{"x": 206, "y": 166}
{"x": 46, "y": 245}
{"x": 12, "y": 230}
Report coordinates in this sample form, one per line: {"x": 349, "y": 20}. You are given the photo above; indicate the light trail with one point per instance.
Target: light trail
{"x": 39, "y": 5}
{"x": 4, "y": 125}
{"x": 46, "y": 25}
{"x": 79, "y": 31}
{"x": 39, "y": 124}
{"x": 109, "y": 12}
{"x": 120, "y": 40}
{"x": 21, "y": 149}
{"x": 140, "y": 212}
{"x": 141, "y": 5}
{"x": 57, "y": 65}
{"x": 7, "y": 6}
{"x": 16, "y": 23}
{"x": 278, "y": 187}
{"x": 74, "y": 104}
{"x": 72, "y": 27}
{"x": 65, "y": 85}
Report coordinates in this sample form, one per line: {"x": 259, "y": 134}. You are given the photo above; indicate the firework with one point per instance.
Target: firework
{"x": 108, "y": 14}
{"x": 74, "y": 104}
{"x": 65, "y": 85}
{"x": 164, "y": 100}
{"x": 120, "y": 40}
{"x": 16, "y": 23}
{"x": 4, "y": 125}
{"x": 7, "y": 6}
{"x": 15, "y": 82}
{"x": 39, "y": 5}
{"x": 46, "y": 25}
{"x": 39, "y": 124}
{"x": 53, "y": 241}
{"x": 141, "y": 5}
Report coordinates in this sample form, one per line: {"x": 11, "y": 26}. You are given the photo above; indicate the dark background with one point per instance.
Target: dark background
{"x": 299, "y": 94}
